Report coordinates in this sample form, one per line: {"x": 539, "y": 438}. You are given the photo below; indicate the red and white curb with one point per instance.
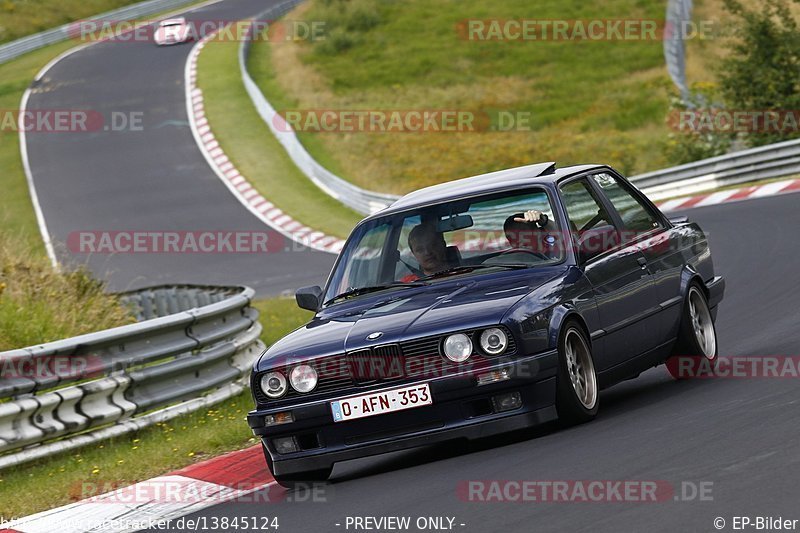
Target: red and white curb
{"x": 233, "y": 179}
{"x": 144, "y": 505}
{"x": 731, "y": 195}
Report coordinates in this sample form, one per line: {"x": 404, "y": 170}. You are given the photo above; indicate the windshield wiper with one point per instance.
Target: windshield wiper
{"x": 470, "y": 268}
{"x": 365, "y": 290}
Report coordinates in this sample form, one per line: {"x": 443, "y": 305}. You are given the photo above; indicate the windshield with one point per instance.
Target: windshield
{"x": 462, "y": 238}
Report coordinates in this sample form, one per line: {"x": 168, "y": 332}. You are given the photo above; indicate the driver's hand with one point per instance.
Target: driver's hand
{"x": 529, "y": 216}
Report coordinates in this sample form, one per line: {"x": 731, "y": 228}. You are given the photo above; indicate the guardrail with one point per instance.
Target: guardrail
{"x": 777, "y": 160}
{"x": 358, "y": 199}
{"x": 764, "y": 162}
{"x": 33, "y": 42}
{"x": 193, "y": 347}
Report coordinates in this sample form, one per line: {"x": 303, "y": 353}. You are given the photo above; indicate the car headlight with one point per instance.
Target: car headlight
{"x": 458, "y": 347}
{"x": 303, "y": 378}
{"x": 494, "y": 341}
{"x": 273, "y": 384}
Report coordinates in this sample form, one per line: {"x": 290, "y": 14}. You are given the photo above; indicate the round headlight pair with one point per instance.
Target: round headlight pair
{"x": 458, "y": 347}
{"x": 303, "y": 378}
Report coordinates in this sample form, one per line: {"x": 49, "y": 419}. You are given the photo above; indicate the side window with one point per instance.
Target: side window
{"x": 636, "y": 216}
{"x": 589, "y": 221}
{"x": 583, "y": 211}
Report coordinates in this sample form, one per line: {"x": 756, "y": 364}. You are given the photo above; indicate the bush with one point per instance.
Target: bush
{"x": 688, "y": 145}
{"x": 345, "y": 22}
{"x": 760, "y": 73}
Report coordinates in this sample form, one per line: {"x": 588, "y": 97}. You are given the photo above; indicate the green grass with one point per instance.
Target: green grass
{"x": 147, "y": 453}
{"x": 38, "y": 304}
{"x": 601, "y": 101}
{"x": 19, "y": 18}
{"x": 249, "y": 143}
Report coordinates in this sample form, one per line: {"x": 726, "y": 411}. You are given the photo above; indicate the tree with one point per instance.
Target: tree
{"x": 762, "y": 71}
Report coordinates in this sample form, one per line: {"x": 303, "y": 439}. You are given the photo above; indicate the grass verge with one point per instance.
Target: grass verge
{"x": 38, "y": 304}
{"x": 147, "y": 453}
{"x": 252, "y": 147}
{"x": 24, "y": 17}
{"x": 588, "y": 101}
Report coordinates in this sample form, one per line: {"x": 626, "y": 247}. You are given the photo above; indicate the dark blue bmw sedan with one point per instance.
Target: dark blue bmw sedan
{"x": 481, "y": 306}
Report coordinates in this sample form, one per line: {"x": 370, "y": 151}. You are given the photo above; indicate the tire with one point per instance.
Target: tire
{"x": 298, "y": 479}
{"x": 577, "y": 393}
{"x": 697, "y": 337}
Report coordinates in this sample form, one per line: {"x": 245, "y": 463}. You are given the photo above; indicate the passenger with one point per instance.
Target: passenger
{"x": 522, "y": 229}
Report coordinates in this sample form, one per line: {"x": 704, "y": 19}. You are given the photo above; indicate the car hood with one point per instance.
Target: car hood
{"x": 403, "y": 314}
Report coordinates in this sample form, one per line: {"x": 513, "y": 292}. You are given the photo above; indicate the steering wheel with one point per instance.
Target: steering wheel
{"x": 539, "y": 255}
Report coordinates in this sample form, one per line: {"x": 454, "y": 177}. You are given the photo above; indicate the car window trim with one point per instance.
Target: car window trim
{"x": 640, "y": 236}
{"x": 615, "y": 220}
{"x": 639, "y": 195}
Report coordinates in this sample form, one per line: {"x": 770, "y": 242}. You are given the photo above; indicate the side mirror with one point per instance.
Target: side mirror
{"x": 678, "y": 219}
{"x": 595, "y": 241}
{"x": 308, "y": 298}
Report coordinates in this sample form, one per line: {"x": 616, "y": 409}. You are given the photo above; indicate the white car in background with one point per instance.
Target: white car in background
{"x": 172, "y": 31}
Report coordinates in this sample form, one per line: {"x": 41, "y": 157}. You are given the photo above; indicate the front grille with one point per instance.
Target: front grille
{"x": 387, "y": 363}
{"x": 372, "y": 365}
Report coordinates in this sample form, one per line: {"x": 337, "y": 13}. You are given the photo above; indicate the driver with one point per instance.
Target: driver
{"x": 520, "y": 228}
{"x": 429, "y": 249}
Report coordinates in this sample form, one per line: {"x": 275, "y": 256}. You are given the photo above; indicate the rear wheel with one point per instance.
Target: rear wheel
{"x": 697, "y": 337}
{"x": 576, "y": 383}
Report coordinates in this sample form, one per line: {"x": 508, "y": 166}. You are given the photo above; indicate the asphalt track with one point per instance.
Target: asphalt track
{"x": 153, "y": 180}
{"x": 740, "y": 434}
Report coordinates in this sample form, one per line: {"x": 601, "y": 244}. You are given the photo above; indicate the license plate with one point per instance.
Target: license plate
{"x": 379, "y": 403}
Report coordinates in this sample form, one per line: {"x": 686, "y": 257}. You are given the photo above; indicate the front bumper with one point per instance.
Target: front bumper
{"x": 461, "y": 409}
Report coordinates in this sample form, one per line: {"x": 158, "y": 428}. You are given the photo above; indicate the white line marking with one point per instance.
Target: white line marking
{"x": 194, "y": 115}
{"x": 770, "y": 188}
{"x": 716, "y": 198}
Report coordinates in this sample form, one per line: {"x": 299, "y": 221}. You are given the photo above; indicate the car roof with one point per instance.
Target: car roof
{"x": 512, "y": 178}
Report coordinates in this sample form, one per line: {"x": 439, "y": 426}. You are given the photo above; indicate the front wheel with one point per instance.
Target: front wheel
{"x": 576, "y": 383}
{"x": 696, "y": 348}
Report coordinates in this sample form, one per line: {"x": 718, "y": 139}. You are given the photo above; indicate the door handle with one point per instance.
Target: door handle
{"x": 642, "y": 262}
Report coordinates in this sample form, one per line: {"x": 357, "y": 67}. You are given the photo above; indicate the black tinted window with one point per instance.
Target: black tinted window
{"x": 635, "y": 216}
